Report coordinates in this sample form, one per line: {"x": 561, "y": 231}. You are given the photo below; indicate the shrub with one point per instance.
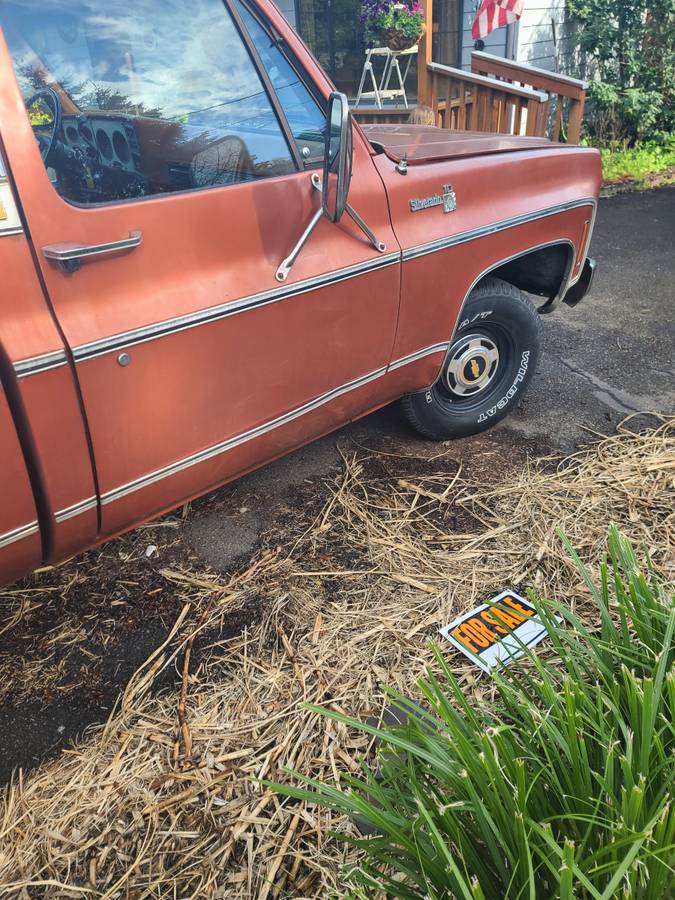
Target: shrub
{"x": 560, "y": 788}
{"x": 637, "y": 162}
{"x": 629, "y": 48}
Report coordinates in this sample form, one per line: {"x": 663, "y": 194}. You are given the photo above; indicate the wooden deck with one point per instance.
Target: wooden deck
{"x": 497, "y": 95}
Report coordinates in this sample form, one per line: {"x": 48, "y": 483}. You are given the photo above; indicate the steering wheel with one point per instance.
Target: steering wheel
{"x": 46, "y": 144}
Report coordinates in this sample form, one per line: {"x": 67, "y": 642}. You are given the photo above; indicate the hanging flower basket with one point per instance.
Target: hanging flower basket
{"x": 392, "y": 23}
{"x": 397, "y": 40}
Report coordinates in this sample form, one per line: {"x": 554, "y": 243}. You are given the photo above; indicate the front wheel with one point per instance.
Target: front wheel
{"x": 487, "y": 368}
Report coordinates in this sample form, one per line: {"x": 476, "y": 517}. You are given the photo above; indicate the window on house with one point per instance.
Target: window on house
{"x": 446, "y": 32}
{"x": 306, "y": 119}
{"x": 142, "y": 97}
{"x": 332, "y": 30}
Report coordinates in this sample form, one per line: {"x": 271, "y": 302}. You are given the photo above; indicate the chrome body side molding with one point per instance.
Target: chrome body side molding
{"x": 232, "y": 307}
{"x": 42, "y": 363}
{"x": 237, "y": 440}
{"x": 485, "y": 230}
{"x": 76, "y": 509}
{"x": 62, "y": 515}
{"x": 271, "y": 425}
{"x": 18, "y": 534}
{"x": 419, "y": 354}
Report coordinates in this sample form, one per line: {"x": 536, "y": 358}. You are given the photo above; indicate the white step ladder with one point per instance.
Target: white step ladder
{"x": 382, "y": 91}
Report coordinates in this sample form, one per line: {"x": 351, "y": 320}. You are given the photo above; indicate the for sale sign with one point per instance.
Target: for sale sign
{"x": 496, "y": 632}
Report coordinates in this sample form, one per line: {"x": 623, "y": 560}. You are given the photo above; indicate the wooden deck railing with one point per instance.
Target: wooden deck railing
{"x": 462, "y": 100}
{"x": 569, "y": 93}
{"x": 498, "y": 95}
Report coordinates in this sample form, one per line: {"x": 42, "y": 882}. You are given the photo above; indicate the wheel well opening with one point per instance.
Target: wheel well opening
{"x": 542, "y": 272}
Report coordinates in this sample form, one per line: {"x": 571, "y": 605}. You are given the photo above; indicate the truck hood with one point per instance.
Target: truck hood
{"x": 425, "y": 143}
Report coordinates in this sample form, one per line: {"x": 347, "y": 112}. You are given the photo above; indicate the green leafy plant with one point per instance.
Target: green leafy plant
{"x": 562, "y": 787}
{"x": 627, "y": 49}
{"x": 643, "y": 159}
{"x": 405, "y": 17}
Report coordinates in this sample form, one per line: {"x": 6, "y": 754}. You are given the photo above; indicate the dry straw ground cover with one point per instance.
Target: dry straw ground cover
{"x": 164, "y": 801}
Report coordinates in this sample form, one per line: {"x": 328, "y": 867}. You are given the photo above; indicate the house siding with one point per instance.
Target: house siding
{"x": 495, "y": 42}
{"x": 543, "y": 37}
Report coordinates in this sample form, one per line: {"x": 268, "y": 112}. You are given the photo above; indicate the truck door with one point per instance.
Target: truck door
{"x": 20, "y": 547}
{"x": 163, "y": 171}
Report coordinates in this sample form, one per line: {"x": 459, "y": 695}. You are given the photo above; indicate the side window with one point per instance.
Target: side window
{"x": 306, "y": 119}
{"x": 139, "y": 97}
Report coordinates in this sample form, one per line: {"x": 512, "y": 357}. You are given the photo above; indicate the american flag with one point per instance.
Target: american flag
{"x": 495, "y": 14}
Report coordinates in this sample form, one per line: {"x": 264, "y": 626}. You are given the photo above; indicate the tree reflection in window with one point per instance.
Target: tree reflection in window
{"x": 168, "y": 84}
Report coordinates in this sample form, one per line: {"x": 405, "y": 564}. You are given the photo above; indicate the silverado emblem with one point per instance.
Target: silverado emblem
{"x": 448, "y": 200}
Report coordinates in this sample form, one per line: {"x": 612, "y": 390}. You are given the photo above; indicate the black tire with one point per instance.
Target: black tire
{"x": 493, "y": 355}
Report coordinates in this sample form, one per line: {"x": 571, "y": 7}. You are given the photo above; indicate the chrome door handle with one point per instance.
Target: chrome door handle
{"x": 68, "y": 256}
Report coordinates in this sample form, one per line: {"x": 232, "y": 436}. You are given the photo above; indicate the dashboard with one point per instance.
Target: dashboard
{"x": 97, "y": 158}
{"x": 100, "y": 157}
{"x": 114, "y": 139}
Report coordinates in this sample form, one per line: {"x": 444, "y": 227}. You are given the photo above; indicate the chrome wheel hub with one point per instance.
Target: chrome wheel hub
{"x": 472, "y": 363}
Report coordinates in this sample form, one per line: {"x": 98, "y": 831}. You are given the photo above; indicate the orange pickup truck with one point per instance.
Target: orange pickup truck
{"x": 206, "y": 263}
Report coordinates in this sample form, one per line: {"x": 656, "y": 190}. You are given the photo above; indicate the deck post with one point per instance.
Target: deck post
{"x": 424, "y": 55}
{"x": 575, "y": 119}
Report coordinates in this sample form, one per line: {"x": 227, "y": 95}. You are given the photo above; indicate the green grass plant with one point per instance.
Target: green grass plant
{"x": 637, "y": 163}
{"x": 561, "y": 787}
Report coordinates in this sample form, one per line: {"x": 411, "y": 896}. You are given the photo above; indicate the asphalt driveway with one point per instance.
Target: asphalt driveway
{"x": 614, "y": 354}
{"x": 611, "y": 357}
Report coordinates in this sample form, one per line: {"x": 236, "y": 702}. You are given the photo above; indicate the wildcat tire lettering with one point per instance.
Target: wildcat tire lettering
{"x": 491, "y": 359}
{"x": 512, "y": 391}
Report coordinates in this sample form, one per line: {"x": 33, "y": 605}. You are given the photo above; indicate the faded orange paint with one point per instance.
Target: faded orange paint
{"x": 106, "y": 446}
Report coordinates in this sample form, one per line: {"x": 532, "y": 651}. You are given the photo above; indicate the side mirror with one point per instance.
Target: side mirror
{"x": 337, "y": 173}
{"x": 337, "y": 160}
